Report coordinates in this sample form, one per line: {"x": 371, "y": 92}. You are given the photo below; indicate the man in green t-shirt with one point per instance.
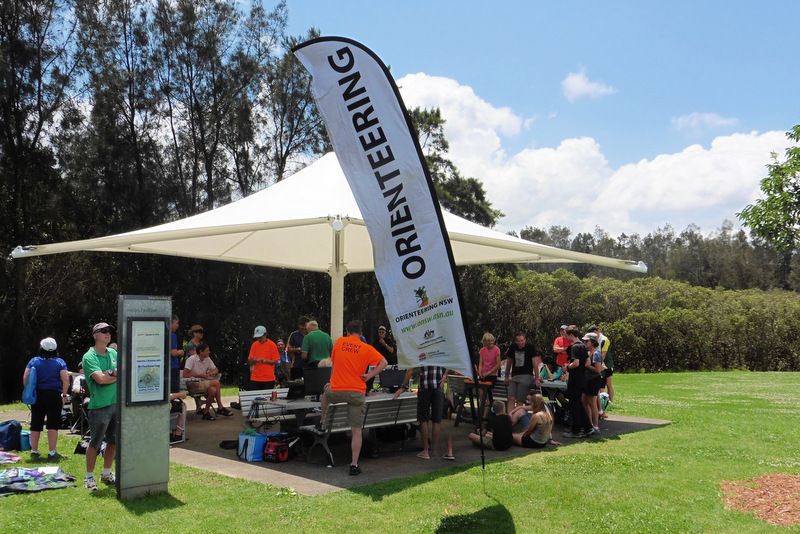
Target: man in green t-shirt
{"x": 317, "y": 345}
{"x": 100, "y": 365}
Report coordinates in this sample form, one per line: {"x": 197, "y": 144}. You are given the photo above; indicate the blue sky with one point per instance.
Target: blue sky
{"x": 623, "y": 115}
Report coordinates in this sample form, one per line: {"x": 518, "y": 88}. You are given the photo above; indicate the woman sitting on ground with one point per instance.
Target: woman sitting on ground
{"x": 538, "y": 432}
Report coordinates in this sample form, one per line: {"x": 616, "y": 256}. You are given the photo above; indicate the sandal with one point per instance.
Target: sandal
{"x": 224, "y": 411}
{"x": 448, "y": 457}
{"x": 423, "y": 456}
{"x": 208, "y": 417}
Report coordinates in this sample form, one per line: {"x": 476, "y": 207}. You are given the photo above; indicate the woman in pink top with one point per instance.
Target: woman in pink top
{"x": 489, "y": 358}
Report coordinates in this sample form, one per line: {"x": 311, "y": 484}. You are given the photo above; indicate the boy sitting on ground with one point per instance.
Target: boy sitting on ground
{"x": 498, "y": 435}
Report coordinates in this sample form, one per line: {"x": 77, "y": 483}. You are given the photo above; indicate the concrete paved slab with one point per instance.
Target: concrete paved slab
{"x": 312, "y": 476}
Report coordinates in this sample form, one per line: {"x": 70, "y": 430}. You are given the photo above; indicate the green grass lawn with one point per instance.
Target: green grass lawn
{"x": 725, "y": 426}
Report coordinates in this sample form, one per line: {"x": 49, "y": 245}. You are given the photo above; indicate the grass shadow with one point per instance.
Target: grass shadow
{"x": 148, "y": 504}
{"x": 490, "y": 519}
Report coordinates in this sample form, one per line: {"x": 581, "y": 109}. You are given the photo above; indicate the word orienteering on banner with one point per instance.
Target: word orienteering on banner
{"x": 381, "y": 158}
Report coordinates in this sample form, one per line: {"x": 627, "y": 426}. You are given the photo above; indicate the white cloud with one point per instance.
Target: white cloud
{"x": 573, "y": 185}
{"x": 577, "y": 85}
{"x": 697, "y": 122}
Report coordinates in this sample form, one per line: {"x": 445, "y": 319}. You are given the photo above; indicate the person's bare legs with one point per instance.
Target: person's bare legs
{"x": 448, "y": 441}
{"x": 610, "y": 389}
{"x": 437, "y": 430}
{"x": 91, "y": 458}
{"x": 355, "y": 445}
{"x": 35, "y": 439}
{"x": 108, "y": 455}
{"x": 590, "y": 405}
{"x": 423, "y": 435}
{"x": 52, "y": 439}
{"x": 214, "y": 394}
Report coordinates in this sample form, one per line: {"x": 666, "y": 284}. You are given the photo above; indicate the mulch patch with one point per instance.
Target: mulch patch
{"x": 773, "y": 498}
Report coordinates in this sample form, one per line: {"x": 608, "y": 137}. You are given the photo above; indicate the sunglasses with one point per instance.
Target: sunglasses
{"x": 198, "y": 332}
{"x": 104, "y": 331}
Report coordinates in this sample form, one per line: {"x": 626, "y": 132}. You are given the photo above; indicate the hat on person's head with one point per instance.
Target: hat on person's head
{"x": 590, "y": 336}
{"x": 49, "y": 344}
{"x": 592, "y": 328}
{"x": 259, "y": 331}
{"x": 381, "y": 328}
{"x": 564, "y": 326}
{"x": 100, "y": 326}
{"x": 194, "y": 329}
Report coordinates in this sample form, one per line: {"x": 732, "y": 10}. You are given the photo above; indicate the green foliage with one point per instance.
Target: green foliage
{"x": 654, "y": 324}
{"x": 777, "y": 216}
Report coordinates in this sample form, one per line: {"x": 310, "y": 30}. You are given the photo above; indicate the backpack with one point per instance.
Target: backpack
{"x": 29, "y": 393}
{"x": 10, "y": 435}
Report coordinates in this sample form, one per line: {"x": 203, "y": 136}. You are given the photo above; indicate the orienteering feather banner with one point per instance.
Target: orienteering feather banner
{"x": 379, "y": 153}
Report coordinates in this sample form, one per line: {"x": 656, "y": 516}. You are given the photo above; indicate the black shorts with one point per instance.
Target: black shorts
{"x": 528, "y": 443}
{"x": 48, "y": 403}
{"x": 592, "y": 386}
{"x": 430, "y": 404}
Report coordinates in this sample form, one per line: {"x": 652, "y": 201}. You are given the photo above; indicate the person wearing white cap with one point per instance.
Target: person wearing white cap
{"x": 52, "y": 383}
{"x": 262, "y": 359}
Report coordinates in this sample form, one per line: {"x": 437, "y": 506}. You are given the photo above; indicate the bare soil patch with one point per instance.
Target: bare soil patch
{"x": 772, "y": 498}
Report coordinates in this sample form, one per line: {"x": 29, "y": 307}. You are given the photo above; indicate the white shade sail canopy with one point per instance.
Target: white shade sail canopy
{"x": 292, "y": 224}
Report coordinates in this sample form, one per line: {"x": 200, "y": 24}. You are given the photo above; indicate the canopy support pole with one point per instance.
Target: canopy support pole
{"x": 337, "y": 272}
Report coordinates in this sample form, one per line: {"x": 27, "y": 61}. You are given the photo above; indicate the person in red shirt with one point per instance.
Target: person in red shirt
{"x": 263, "y": 357}
{"x": 350, "y": 357}
{"x": 560, "y": 346}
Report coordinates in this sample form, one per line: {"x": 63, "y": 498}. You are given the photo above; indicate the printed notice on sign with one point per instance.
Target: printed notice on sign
{"x": 147, "y": 357}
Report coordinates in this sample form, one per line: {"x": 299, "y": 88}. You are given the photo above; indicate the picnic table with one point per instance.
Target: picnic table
{"x": 299, "y": 408}
{"x": 551, "y": 387}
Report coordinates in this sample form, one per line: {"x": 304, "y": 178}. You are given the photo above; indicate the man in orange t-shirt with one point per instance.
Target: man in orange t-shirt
{"x": 263, "y": 357}
{"x": 350, "y": 357}
{"x": 560, "y": 346}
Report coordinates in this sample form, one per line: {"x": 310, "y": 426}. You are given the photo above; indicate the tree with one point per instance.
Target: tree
{"x": 38, "y": 65}
{"x": 777, "y": 217}
{"x": 294, "y": 126}
{"x": 215, "y": 60}
{"x": 461, "y": 196}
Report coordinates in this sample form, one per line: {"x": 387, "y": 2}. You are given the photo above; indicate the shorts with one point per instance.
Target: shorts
{"x": 355, "y": 404}
{"x": 519, "y": 386}
{"x": 430, "y": 404}
{"x": 606, "y": 374}
{"x": 528, "y": 443}
{"x": 197, "y": 387}
{"x": 525, "y": 419}
{"x": 48, "y": 403}
{"x": 592, "y": 386}
{"x": 103, "y": 426}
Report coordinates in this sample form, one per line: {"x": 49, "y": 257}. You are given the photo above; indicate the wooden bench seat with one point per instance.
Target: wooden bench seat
{"x": 380, "y": 412}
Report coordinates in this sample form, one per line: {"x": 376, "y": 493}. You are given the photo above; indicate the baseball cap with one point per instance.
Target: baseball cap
{"x": 259, "y": 331}
{"x": 564, "y": 327}
{"x": 590, "y": 335}
{"x": 592, "y": 328}
{"x": 100, "y": 326}
{"x": 49, "y": 344}
{"x": 381, "y": 328}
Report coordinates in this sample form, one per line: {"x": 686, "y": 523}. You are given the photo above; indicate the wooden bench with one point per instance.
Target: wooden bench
{"x": 379, "y": 412}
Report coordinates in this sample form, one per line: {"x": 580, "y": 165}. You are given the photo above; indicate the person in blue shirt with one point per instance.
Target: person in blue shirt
{"x": 175, "y": 358}
{"x": 52, "y": 383}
